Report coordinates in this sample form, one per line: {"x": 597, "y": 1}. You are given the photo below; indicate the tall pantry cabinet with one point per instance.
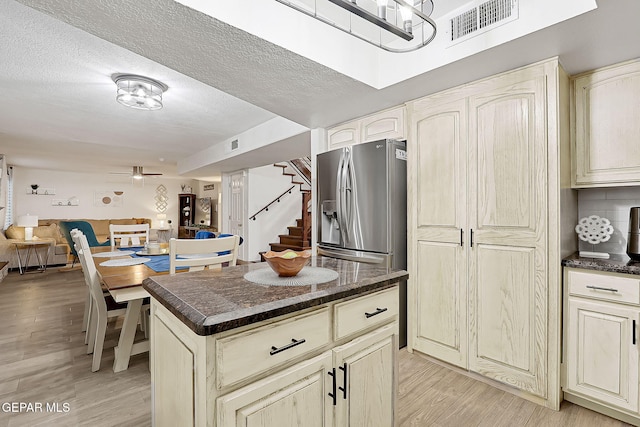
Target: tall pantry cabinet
{"x": 488, "y": 171}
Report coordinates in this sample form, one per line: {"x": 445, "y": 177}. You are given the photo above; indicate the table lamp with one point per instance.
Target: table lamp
{"x": 161, "y": 220}
{"x": 28, "y": 222}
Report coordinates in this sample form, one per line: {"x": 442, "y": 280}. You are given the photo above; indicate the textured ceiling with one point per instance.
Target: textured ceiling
{"x": 58, "y": 106}
{"x": 193, "y": 47}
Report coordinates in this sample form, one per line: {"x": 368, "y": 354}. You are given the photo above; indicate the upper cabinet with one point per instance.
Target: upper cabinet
{"x": 606, "y": 128}
{"x": 382, "y": 125}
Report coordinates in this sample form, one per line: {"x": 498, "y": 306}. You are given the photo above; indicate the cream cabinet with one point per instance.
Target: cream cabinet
{"x": 295, "y": 397}
{"x": 484, "y": 175}
{"x": 606, "y": 128}
{"x": 385, "y": 124}
{"x": 602, "y": 359}
{"x": 437, "y": 184}
{"x": 366, "y": 381}
{"x": 296, "y": 370}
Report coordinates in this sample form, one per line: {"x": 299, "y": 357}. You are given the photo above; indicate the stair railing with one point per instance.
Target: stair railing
{"x": 302, "y": 167}
{"x": 276, "y": 200}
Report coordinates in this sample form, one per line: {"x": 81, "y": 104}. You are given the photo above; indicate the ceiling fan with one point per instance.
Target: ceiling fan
{"x": 137, "y": 173}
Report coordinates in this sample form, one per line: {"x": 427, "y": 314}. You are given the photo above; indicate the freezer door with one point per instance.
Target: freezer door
{"x": 366, "y": 198}
{"x": 328, "y": 168}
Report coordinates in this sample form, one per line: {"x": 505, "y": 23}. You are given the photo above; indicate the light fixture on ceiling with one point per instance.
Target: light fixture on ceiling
{"x": 137, "y": 172}
{"x": 406, "y": 23}
{"x": 139, "y": 92}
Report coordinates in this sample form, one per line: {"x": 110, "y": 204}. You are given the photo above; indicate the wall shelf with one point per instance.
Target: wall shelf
{"x": 41, "y": 191}
{"x": 65, "y": 202}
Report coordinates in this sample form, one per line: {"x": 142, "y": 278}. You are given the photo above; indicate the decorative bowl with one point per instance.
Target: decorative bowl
{"x": 287, "y": 265}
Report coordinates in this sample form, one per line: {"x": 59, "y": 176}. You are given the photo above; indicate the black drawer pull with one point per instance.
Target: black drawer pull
{"x": 598, "y": 288}
{"x": 633, "y": 338}
{"x": 294, "y": 342}
{"x": 343, "y": 389}
{"x": 378, "y": 311}
{"x": 333, "y": 395}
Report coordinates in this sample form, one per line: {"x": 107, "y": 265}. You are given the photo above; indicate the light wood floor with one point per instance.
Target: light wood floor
{"x": 42, "y": 359}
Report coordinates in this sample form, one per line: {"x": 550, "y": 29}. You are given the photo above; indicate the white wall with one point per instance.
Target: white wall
{"x": 613, "y": 204}
{"x": 138, "y": 200}
{"x": 264, "y": 184}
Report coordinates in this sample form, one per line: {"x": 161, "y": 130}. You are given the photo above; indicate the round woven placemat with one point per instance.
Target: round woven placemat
{"x": 307, "y": 276}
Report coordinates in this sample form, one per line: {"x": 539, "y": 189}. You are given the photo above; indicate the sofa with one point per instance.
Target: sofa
{"x": 48, "y": 230}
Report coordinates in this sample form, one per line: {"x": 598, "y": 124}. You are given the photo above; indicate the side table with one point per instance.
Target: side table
{"x": 163, "y": 234}
{"x": 32, "y": 246}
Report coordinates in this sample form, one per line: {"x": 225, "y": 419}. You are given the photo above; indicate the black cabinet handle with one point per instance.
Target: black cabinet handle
{"x": 461, "y": 234}
{"x": 294, "y": 342}
{"x": 343, "y": 368}
{"x": 333, "y": 395}
{"x": 378, "y": 311}
{"x": 633, "y": 338}
{"x": 598, "y": 288}
{"x": 471, "y": 238}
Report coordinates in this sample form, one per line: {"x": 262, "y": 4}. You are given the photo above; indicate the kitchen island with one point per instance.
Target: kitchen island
{"x": 227, "y": 351}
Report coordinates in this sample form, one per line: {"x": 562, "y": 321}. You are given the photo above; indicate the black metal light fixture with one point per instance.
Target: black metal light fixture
{"x": 406, "y": 19}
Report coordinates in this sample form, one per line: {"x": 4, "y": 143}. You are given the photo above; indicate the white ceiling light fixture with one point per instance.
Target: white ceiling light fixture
{"x": 139, "y": 92}
{"x": 404, "y": 25}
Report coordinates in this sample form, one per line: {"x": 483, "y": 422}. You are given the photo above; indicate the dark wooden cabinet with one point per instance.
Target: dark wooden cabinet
{"x": 186, "y": 206}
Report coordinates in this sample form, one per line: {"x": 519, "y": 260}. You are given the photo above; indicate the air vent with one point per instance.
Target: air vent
{"x": 465, "y": 23}
{"x": 482, "y": 17}
{"x": 234, "y": 144}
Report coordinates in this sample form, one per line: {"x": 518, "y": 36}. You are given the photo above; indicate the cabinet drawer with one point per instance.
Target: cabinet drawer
{"x": 240, "y": 356}
{"x": 361, "y": 313}
{"x": 605, "y": 287}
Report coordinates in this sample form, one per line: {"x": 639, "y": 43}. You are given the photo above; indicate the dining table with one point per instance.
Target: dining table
{"x": 124, "y": 284}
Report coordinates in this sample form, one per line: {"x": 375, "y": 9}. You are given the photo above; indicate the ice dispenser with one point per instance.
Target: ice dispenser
{"x": 330, "y": 230}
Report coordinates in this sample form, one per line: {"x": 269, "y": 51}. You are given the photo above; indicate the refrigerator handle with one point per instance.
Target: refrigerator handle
{"x": 348, "y": 190}
{"x": 340, "y": 179}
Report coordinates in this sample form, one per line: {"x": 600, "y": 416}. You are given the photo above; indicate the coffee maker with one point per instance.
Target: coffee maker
{"x": 633, "y": 241}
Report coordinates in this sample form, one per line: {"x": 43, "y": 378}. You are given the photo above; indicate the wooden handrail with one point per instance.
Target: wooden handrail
{"x": 276, "y": 200}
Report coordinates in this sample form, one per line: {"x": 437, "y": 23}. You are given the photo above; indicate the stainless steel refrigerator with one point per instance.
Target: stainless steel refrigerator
{"x": 362, "y": 207}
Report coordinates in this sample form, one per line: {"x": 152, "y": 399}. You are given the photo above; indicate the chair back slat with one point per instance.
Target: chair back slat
{"x": 128, "y": 232}
{"x": 197, "y": 254}
{"x": 90, "y": 272}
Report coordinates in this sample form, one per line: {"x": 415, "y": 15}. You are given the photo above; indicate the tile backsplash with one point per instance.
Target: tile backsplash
{"x": 613, "y": 204}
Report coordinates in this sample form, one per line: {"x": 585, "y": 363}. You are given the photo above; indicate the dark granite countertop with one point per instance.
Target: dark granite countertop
{"x": 209, "y": 302}
{"x": 617, "y": 263}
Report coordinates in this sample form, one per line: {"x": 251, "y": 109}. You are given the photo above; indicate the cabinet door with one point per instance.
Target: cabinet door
{"x": 173, "y": 366}
{"x": 602, "y": 353}
{"x": 295, "y": 397}
{"x": 387, "y": 124}
{"x": 344, "y": 135}
{"x": 437, "y": 185}
{"x": 508, "y": 205}
{"x": 367, "y": 379}
{"x": 607, "y": 129}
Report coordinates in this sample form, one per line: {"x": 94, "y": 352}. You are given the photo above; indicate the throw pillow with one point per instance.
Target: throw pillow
{"x": 14, "y": 232}
{"x": 48, "y": 231}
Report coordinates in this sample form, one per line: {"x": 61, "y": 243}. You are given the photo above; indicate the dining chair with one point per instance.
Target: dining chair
{"x": 75, "y": 240}
{"x": 201, "y": 253}
{"x": 125, "y": 233}
{"x": 86, "y": 229}
{"x": 103, "y": 307}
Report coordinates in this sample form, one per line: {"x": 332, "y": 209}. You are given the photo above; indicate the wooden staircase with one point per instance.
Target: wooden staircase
{"x": 294, "y": 240}
{"x": 299, "y": 236}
